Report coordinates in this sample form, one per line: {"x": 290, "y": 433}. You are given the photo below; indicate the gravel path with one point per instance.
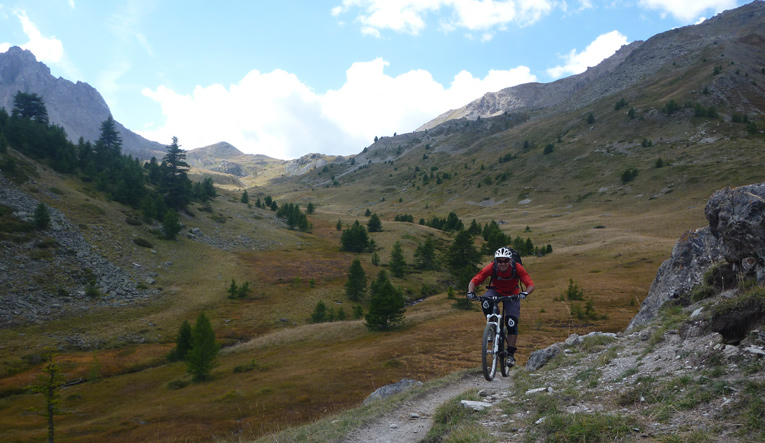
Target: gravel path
{"x": 412, "y": 420}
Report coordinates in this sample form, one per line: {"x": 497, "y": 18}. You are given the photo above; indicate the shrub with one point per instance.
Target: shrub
{"x": 143, "y": 242}
{"x": 246, "y": 367}
{"x": 574, "y": 292}
{"x": 42, "y": 216}
{"x": 629, "y": 175}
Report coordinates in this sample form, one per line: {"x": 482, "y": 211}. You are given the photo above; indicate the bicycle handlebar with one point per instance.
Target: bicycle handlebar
{"x": 515, "y": 297}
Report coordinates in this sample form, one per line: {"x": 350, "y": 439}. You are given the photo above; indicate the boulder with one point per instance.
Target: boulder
{"x": 692, "y": 255}
{"x": 539, "y": 358}
{"x": 737, "y": 217}
{"x": 386, "y": 391}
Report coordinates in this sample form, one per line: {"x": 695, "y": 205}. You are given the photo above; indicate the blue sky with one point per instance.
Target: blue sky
{"x": 286, "y": 78}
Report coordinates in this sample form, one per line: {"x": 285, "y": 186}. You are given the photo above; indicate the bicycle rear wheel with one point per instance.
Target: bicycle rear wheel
{"x": 488, "y": 355}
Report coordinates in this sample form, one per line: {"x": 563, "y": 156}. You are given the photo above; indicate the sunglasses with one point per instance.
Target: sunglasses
{"x": 503, "y": 260}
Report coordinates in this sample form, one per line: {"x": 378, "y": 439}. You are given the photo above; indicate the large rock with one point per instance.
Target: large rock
{"x": 737, "y": 217}
{"x": 692, "y": 255}
{"x": 539, "y": 358}
{"x": 386, "y": 391}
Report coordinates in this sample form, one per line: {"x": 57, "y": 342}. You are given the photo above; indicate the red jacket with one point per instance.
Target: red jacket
{"x": 504, "y": 287}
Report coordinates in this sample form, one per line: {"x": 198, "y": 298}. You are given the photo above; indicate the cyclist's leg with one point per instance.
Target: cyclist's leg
{"x": 512, "y": 314}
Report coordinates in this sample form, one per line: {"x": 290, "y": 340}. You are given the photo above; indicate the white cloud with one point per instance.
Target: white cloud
{"x": 278, "y": 115}
{"x": 687, "y": 11}
{"x": 603, "y": 47}
{"x": 45, "y": 49}
{"x": 409, "y": 16}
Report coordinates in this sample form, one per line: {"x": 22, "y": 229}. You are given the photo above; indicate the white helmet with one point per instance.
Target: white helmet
{"x": 503, "y": 253}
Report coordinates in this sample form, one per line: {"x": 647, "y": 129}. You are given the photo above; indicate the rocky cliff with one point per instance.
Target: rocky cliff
{"x": 76, "y": 107}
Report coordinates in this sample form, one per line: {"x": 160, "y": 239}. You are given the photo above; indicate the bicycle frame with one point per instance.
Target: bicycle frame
{"x": 495, "y": 356}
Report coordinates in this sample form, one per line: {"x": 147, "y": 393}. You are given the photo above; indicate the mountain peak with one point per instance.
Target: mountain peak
{"x": 77, "y": 107}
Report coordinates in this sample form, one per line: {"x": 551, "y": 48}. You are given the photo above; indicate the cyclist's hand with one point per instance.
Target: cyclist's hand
{"x": 471, "y": 296}
{"x": 523, "y": 295}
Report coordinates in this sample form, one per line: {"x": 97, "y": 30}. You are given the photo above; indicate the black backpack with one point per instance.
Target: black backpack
{"x": 515, "y": 257}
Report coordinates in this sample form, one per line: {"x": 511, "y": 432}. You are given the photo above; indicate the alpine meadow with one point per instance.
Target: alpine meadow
{"x": 210, "y": 295}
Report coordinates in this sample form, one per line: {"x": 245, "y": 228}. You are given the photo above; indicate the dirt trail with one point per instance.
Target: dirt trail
{"x": 411, "y": 421}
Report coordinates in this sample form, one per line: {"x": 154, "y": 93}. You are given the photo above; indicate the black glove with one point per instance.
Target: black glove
{"x": 471, "y": 296}
{"x": 522, "y": 295}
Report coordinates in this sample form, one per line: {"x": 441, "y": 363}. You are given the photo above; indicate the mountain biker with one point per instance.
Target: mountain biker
{"x": 504, "y": 283}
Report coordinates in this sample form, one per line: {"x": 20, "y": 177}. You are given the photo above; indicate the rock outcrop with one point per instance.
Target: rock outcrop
{"x": 737, "y": 217}
{"x": 736, "y": 234}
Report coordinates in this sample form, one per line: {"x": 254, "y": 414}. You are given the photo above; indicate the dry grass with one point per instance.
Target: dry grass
{"x": 307, "y": 371}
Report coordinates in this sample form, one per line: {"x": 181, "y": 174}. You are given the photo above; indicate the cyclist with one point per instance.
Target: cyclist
{"x": 505, "y": 282}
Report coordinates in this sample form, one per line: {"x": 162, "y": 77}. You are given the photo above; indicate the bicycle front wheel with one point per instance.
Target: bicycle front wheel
{"x": 488, "y": 352}
{"x": 504, "y": 369}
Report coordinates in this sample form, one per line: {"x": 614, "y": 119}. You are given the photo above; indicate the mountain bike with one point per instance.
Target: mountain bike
{"x": 493, "y": 350}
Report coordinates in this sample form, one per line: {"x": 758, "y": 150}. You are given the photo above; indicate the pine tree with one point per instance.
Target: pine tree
{"x": 425, "y": 255}
{"x": 49, "y": 384}
{"x": 108, "y": 147}
{"x": 175, "y": 184}
{"x": 461, "y": 259}
{"x": 397, "y": 263}
{"x": 355, "y": 238}
{"x": 319, "y": 314}
{"x": 356, "y": 285}
{"x": 374, "y": 224}
{"x": 170, "y": 225}
{"x": 386, "y": 304}
{"x": 29, "y": 106}
{"x": 41, "y": 216}
{"x": 245, "y": 198}
{"x": 182, "y": 343}
{"x": 233, "y": 289}
{"x": 200, "y": 359}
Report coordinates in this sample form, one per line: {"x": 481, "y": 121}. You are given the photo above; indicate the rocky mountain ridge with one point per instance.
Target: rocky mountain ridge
{"x": 77, "y": 107}
{"x": 629, "y": 66}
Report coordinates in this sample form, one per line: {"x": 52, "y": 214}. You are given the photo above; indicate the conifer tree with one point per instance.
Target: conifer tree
{"x": 182, "y": 343}
{"x": 175, "y": 184}
{"x": 386, "y": 304}
{"x": 170, "y": 225}
{"x": 49, "y": 384}
{"x": 29, "y": 106}
{"x": 425, "y": 255}
{"x": 355, "y": 238}
{"x": 42, "y": 216}
{"x": 200, "y": 359}
{"x": 319, "y": 314}
{"x": 356, "y": 285}
{"x": 397, "y": 263}
{"x": 461, "y": 259}
{"x": 374, "y": 224}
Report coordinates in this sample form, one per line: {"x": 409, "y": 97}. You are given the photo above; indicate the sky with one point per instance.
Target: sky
{"x": 286, "y": 78}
